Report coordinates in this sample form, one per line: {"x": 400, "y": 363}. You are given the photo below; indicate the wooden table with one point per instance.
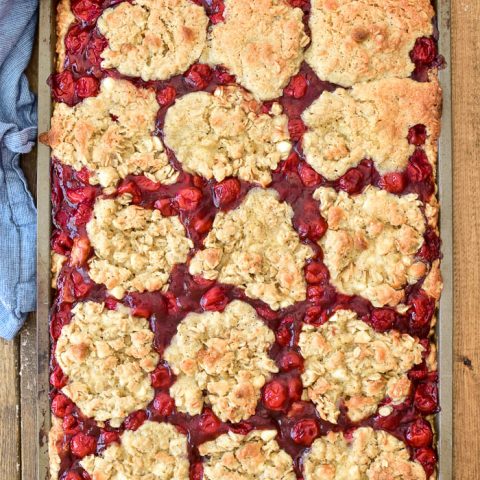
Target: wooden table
{"x": 17, "y": 358}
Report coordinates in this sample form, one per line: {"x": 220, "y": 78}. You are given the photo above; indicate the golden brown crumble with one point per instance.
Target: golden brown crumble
{"x": 255, "y": 247}
{"x": 371, "y": 242}
{"x": 345, "y": 359}
{"x": 153, "y": 39}
{"x": 254, "y": 456}
{"x": 107, "y": 355}
{"x": 153, "y": 451}
{"x": 221, "y": 357}
{"x": 368, "y": 455}
{"x": 225, "y": 133}
{"x": 134, "y": 248}
{"x": 371, "y": 120}
{"x": 261, "y": 42}
{"x": 361, "y": 40}
{"x": 111, "y": 135}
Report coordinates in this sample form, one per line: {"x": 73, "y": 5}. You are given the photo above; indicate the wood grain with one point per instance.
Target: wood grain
{"x": 466, "y": 134}
{"x": 17, "y": 392}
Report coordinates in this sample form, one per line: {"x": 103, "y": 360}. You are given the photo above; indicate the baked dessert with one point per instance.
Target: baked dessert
{"x": 245, "y": 246}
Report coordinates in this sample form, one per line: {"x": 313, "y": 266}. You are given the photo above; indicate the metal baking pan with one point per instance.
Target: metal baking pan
{"x": 46, "y": 40}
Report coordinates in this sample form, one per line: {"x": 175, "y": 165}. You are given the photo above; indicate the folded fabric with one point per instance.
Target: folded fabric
{"x": 18, "y": 131}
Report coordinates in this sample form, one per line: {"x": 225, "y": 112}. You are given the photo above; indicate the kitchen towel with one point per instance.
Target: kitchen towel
{"x": 18, "y": 131}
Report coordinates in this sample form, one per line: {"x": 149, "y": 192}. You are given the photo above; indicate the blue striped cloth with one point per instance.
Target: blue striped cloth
{"x": 18, "y": 131}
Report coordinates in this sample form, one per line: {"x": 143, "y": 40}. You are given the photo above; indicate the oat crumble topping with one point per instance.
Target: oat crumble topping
{"x": 111, "y": 135}
{"x": 135, "y": 249}
{"x": 261, "y": 42}
{"x": 153, "y": 39}
{"x": 346, "y": 359}
{"x": 107, "y": 355}
{"x": 368, "y": 455}
{"x": 226, "y": 134}
{"x": 153, "y": 451}
{"x": 254, "y": 456}
{"x": 221, "y": 358}
{"x": 255, "y": 247}
{"x": 371, "y": 242}
{"x": 371, "y": 120}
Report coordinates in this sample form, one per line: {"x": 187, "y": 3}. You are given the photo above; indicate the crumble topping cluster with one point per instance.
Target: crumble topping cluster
{"x": 226, "y": 134}
{"x": 368, "y": 455}
{"x": 107, "y": 355}
{"x": 255, "y": 247}
{"x": 221, "y": 358}
{"x": 134, "y": 248}
{"x": 371, "y": 242}
{"x": 371, "y": 120}
{"x": 345, "y": 359}
{"x": 153, "y": 39}
{"x": 153, "y": 451}
{"x": 261, "y": 42}
{"x": 248, "y": 457}
{"x": 360, "y": 40}
{"x": 111, "y": 135}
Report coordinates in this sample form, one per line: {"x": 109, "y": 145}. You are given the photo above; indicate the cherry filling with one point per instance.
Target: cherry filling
{"x": 197, "y": 201}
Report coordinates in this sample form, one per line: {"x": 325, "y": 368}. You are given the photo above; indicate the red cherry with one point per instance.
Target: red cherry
{"x": 303, "y": 4}
{"x": 61, "y": 243}
{"x": 352, "y": 181}
{"x": 313, "y": 228}
{"x": 202, "y": 224}
{"x": 198, "y": 76}
{"x": 275, "y": 395}
{"x": 146, "y": 184}
{"x": 135, "y": 420}
{"x": 82, "y": 445}
{"x": 109, "y": 437}
{"x": 419, "y": 167}
{"x": 390, "y": 422}
{"x": 393, "y": 182}
{"x": 196, "y": 471}
{"x": 58, "y": 379}
{"x": 165, "y": 206}
{"x": 426, "y": 398}
{"x": 222, "y": 76}
{"x": 166, "y": 96}
{"x": 419, "y": 434}
{"x": 321, "y": 295}
{"x": 296, "y": 128}
{"x": 382, "y": 319}
{"x": 226, "y": 192}
{"x": 163, "y": 404}
{"x": 63, "y": 87}
{"x": 297, "y": 87}
{"x": 86, "y": 10}
{"x": 424, "y": 51}
{"x": 291, "y": 164}
{"x": 94, "y": 49}
{"x": 87, "y": 87}
{"x": 422, "y": 310}
{"x": 70, "y": 425}
{"x": 214, "y": 300}
{"x": 72, "y": 476}
{"x": 188, "y": 198}
{"x": 308, "y": 175}
{"x": 82, "y": 194}
{"x": 83, "y": 214}
{"x": 316, "y": 272}
{"x": 209, "y": 422}
{"x": 161, "y": 377}
{"x": 305, "y": 431}
{"x": 290, "y": 361}
{"x": 315, "y": 316}
{"x": 81, "y": 285}
{"x": 295, "y": 389}
{"x": 61, "y": 405}
{"x": 132, "y": 189}
{"x": 428, "y": 459}
{"x": 417, "y": 135}
{"x": 76, "y": 39}
{"x": 283, "y": 334}
{"x": 430, "y": 249}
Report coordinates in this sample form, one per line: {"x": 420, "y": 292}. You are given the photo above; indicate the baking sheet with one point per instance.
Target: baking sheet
{"x": 445, "y": 320}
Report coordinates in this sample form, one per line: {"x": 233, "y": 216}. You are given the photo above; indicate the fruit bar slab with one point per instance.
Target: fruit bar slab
{"x": 245, "y": 247}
